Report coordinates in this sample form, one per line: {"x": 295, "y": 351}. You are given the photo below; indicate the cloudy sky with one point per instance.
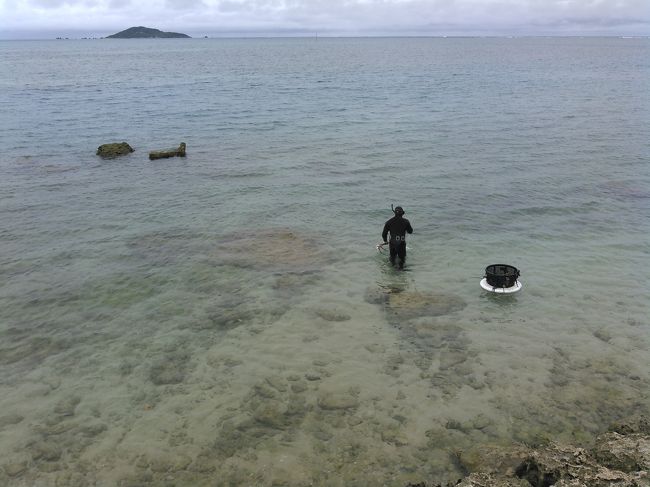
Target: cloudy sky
{"x": 90, "y": 18}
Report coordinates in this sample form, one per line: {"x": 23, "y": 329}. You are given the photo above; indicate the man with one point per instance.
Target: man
{"x": 397, "y": 227}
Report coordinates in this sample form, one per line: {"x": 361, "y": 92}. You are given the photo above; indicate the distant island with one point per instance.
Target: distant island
{"x": 146, "y": 33}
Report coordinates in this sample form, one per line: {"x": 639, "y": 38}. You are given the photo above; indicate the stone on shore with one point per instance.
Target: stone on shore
{"x": 163, "y": 154}
{"x": 113, "y": 150}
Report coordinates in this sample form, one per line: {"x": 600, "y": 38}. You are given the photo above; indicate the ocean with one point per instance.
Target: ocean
{"x": 226, "y": 319}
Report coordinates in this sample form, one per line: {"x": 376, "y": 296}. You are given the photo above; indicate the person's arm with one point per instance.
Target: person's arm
{"x": 409, "y": 228}
{"x": 384, "y": 234}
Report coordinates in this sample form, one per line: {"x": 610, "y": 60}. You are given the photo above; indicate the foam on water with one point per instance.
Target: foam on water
{"x": 225, "y": 316}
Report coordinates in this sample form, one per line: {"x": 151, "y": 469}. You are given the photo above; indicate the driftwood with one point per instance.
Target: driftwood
{"x": 163, "y": 154}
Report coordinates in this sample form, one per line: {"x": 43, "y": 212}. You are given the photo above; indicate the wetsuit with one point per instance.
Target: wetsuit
{"x": 398, "y": 227}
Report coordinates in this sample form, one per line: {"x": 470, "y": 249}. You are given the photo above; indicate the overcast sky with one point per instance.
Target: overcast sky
{"x": 97, "y": 18}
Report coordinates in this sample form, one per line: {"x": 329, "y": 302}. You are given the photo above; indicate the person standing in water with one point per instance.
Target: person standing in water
{"x": 398, "y": 227}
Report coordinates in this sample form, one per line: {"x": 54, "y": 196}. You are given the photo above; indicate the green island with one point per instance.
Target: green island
{"x": 146, "y": 33}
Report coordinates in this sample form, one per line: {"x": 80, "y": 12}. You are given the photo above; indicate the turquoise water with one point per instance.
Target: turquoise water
{"x": 224, "y": 319}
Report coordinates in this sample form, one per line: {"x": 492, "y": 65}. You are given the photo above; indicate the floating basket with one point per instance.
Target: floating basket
{"x": 501, "y": 278}
{"x": 501, "y": 275}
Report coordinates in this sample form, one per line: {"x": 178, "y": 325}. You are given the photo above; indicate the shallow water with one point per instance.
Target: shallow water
{"x": 224, "y": 319}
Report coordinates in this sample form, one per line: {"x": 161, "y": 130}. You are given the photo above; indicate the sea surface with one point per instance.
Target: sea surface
{"x": 225, "y": 318}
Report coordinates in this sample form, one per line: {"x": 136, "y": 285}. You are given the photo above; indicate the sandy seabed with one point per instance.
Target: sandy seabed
{"x": 259, "y": 363}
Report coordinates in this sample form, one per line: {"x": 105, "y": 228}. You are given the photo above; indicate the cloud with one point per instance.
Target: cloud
{"x": 188, "y": 5}
{"x": 333, "y": 16}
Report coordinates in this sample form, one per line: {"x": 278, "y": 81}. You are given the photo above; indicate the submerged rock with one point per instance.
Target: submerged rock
{"x": 169, "y": 370}
{"x": 10, "y": 419}
{"x": 408, "y": 305}
{"x": 332, "y": 314}
{"x": 634, "y": 424}
{"x": 163, "y": 154}
{"x": 335, "y": 401}
{"x": 112, "y": 150}
{"x": 272, "y": 249}
{"x": 15, "y": 469}
{"x": 67, "y": 406}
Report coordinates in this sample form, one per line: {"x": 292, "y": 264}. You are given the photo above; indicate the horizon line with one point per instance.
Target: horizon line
{"x": 316, "y": 35}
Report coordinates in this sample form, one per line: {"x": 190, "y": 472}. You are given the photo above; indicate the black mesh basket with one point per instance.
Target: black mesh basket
{"x": 501, "y": 275}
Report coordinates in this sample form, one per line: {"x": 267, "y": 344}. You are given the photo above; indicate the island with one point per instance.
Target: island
{"x": 146, "y": 33}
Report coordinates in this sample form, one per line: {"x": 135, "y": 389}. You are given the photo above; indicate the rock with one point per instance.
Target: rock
{"x": 620, "y": 460}
{"x": 408, "y": 305}
{"x": 635, "y": 424}
{"x": 32, "y": 350}
{"x": 138, "y": 479}
{"x": 480, "y": 422}
{"x": 337, "y": 401}
{"x": 449, "y": 359}
{"x": 375, "y": 296}
{"x": 271, "y": 414}
{"x": 563, "y": 465}
{"x": 10, "y": 419}
{"x": 163, "y": 154}
{"x": 262, "y": 390}
{"x": 627, "y": 453}
{"x": 273, "y": 249}
{"x": 332, "y": 315}
{"x": 487, "y": 480}
{"x": 298, "y": 387}
{"x": 92, "y": 429}
{"x": 164, "y": 463}
{"x": 493, "y": 459}
{"x": 277, "y": 383}
{"x": 393, "y": 437}
{"x": 49, "y": 467}
{"x": 113, "y": 150}
{"x": 67, "y": 406}
{"x": 55, "y": 425}
{"x": 15, "y": 469}
{"x": 48, "y": 451}
{"x": 169, "y": 370}
{"x": 71, "y": 479}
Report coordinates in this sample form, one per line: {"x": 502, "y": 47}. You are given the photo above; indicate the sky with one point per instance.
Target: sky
{"x": 235, "y": 18}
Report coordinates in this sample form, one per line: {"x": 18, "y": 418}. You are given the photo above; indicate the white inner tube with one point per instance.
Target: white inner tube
{"x": 501, "y": 290}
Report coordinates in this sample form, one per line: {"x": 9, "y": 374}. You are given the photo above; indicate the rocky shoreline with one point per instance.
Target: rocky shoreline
{"x": 620, "y": 457}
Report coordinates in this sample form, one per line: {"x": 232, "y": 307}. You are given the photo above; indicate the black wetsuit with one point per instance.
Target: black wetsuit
{"x": 398, "y": 227}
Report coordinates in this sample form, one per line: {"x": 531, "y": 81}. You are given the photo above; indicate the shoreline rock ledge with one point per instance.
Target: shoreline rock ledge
{"x": 617, "y": 458}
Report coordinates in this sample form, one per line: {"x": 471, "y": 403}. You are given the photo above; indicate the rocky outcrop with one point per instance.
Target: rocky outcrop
{"x": 620, "y": 457}
{"x": 116, "y": 149}
{"x": 163, "y": 154}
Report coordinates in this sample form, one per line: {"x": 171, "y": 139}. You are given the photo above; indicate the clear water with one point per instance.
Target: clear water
{"x": 224, "y": 319}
